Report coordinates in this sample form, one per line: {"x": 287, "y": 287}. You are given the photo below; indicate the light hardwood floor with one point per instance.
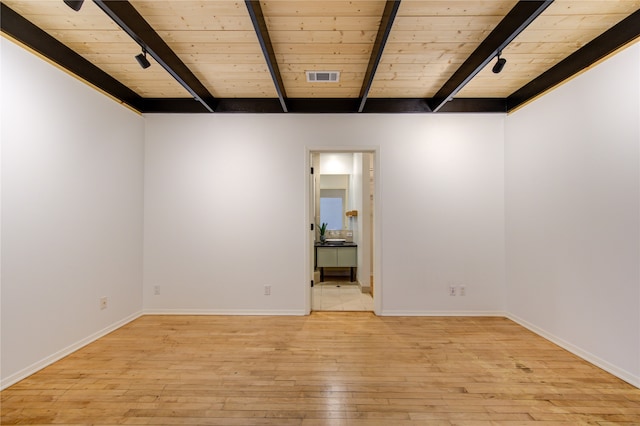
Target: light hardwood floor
{"x": 341, "y": 368}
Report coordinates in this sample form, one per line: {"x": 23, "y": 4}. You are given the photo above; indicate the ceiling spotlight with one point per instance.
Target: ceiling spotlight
{"x": 499, "y": 64}
{"x": 74, "y": 4}
{"x": 142, "y": 59}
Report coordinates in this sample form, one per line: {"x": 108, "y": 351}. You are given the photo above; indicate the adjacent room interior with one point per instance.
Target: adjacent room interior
{"x": 342, "y": 203}
{"x": 156, "y": 165}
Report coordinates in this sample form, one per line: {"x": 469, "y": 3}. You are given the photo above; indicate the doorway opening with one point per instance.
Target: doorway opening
{"x": 342, "y": 238}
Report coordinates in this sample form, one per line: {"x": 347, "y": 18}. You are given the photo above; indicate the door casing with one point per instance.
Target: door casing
{"x": 377, "y": 221}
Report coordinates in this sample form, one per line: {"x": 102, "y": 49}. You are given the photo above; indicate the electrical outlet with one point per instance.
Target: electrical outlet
{"x": 103, "y": 303}
{"x": 267, "y": 290}
{"x": 156, "y": 290}
{"x": 452, "y": 290}
{"x": 463, "y": 290}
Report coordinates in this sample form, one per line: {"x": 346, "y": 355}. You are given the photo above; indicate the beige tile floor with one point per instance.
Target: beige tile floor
{"x": 340, "y": 296}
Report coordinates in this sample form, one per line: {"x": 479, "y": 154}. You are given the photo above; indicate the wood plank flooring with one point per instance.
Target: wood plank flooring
{"x": 344, "y": 368}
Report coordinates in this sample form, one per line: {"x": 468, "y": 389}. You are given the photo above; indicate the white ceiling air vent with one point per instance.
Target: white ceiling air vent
{"x": 323, "y": 76}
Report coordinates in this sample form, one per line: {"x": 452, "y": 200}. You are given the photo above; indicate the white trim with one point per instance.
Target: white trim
{"x": 308, "y": 232}
{"x": 586, "y": 355}
{"x": 394, "y": 313}
{"x": 235, "y": 312}
{"x": 39, "y": 365}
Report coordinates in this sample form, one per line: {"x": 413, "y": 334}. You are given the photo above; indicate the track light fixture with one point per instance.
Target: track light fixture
{"x": 499, "y": 64}
{"x": 74, "y": 4}
{"x": 142, "y": 59}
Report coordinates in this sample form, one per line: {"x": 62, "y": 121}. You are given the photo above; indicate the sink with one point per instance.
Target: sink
{"x": 334, "y": 241}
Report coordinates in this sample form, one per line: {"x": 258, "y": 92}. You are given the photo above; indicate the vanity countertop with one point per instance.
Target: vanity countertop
{"x": 336, "y": 244}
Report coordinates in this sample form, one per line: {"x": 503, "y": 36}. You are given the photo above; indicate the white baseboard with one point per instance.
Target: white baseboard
{"x": 246, "y": 312}
{"x": 39, "y": 365}
{"x": 586, "y": 355}
{"x": 392, "y": 313}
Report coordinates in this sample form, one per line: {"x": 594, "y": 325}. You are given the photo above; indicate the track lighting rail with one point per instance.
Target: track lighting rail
{"x": 518, "y": 18}
{"x": 128, "y": 18}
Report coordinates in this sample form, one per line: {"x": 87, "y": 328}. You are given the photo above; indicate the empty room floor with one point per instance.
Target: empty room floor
{"x": 329, "y": 368}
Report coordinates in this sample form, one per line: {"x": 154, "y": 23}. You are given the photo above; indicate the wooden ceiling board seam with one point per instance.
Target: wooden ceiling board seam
{"x": 323, "y": 23}
{"x": 518, "y": 18}
{"x": 214, "y": 39}
{"x": 443, "y": 40}
{"x": 625, "y": 33}
{"x": 46, "y": 46}
{"x": 327, "y": 8}
{"x": 316, "y": 31}
{"x": 130, "y": 20}
{"x": 456, "y": 8}
{"x": 523, "y": 53}
{"x": 77, "y": 39}
{"x": 150, "y": 8}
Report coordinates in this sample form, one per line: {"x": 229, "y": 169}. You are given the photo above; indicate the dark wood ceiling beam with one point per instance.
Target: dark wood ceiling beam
{"x": 611, "y": 40}
{"x": 518, "y": 18}
{"x": 260, "y": 26}
{"x": 127, "y": 17}
{"x": 41, "y": 42}
{"x": 326, "y": 105}
{"x": 388, "y": 16}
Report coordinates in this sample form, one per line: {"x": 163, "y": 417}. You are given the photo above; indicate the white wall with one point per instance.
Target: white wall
{"x": 2, "y": 102}
{"x": 442, "y": 208}
{"x": 225, "y": 209}
{"x": 71, "y": 213}
{"x": 573, "y": 215}
{"x": 225, "y": 212}
{"x": 223, "y": 215}
{"x": 336, "y": 163}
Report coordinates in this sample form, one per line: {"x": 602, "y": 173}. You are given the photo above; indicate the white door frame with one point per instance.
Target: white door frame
{"x": 377, "y": 220}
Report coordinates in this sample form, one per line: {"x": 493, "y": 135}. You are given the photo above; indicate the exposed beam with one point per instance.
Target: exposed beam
{"x": 326, "y": 105}
{"x": 128, "y": 18}
{"x": 176, "y": 105}
{"x": 475, "y": 105}
{"x": 396, "y": 105}
{"x": 388, "y": 16}
{"x": 518, "y": 18}
{"x": 599, "y": 48}
{"x": 225, "y": 105}
{"x": 26, "y": 33}
{"x": 260, "y": 26}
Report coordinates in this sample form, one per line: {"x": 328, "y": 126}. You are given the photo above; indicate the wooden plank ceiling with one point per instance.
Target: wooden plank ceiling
{"x": 427, "y": 43}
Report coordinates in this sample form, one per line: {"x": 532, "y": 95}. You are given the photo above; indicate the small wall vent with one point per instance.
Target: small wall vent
{"x": 323, "y": 76}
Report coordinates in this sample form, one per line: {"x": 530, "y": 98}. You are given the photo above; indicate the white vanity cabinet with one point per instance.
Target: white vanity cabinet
{"x": 339, "y": 256}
